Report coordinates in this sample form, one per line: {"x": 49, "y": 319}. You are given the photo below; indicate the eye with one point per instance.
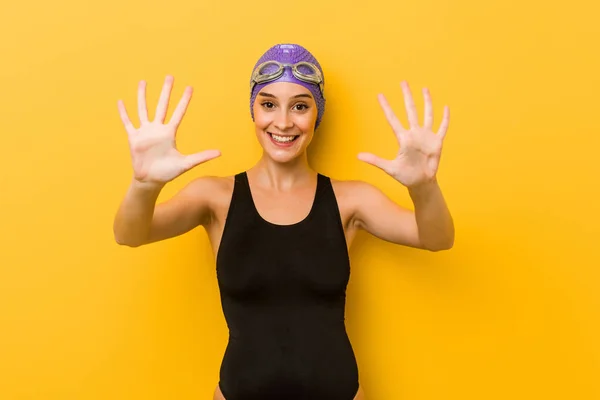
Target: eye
{"x": 302, "y": 105}
{"x": 267, "y": 104}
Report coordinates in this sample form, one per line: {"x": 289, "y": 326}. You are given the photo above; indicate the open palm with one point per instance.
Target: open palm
{"x": 152, "y": 146}
{"x": 420, "y": 149}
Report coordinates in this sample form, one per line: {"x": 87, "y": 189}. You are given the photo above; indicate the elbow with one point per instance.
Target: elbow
{"x": 128, "y": 244}
{"x": 123, "y": 241}
{"x": 441, "y": 246}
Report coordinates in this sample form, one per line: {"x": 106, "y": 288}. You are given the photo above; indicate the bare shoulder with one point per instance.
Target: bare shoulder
{"x": 213, "y": 191}
{"x": 350, "y": 194}
{"x": 213, "y": 185}
{"x": 373, "y": 211}
{"x": 201, "y": 199}
{"x": 197, "y": 203}
{"x": 353, "y": 192}
{"x": 364, "y": 203}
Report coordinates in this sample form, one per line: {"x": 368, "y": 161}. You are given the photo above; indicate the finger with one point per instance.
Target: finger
{"x": 411, "y": 109}
{"x": 445, "y": 122}
{"x": 428, "y": 119}
{"x": 142, "y": 109}
{"x": 190, "y": 161}
{"x": 125, "y": 118}
{"x": 389, "y": 115}
{"x": 181, "y": 107}
{"x": 163, "y": 101}
{"x": 375, "y": 161}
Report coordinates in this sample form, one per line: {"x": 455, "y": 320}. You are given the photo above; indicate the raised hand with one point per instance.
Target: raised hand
{"x": 152, "y": 146}
{"x": 420, "y": 150}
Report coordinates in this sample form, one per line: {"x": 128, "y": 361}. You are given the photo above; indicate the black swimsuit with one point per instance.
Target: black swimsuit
{"x": 283, "y": 292}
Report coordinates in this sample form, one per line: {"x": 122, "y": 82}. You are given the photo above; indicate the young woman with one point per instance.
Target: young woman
{"x": 280, "y": 231}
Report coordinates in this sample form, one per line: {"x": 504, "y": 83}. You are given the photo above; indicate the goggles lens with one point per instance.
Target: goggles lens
{"x": 307, "y": 69}
{"x": 271, "y": 70}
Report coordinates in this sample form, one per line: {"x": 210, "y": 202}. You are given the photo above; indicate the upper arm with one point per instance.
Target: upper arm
{"x": 187, "y": 209}
{"x": 377, "y": 214}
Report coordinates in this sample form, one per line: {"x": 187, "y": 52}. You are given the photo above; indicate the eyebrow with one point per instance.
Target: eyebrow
{"x": 265, "y": 94}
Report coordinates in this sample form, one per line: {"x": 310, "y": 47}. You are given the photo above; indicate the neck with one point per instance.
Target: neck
{"x": 282, "y": 176}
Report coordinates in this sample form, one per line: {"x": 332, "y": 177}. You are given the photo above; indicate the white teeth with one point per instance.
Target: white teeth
{"x": 283, "y": 139}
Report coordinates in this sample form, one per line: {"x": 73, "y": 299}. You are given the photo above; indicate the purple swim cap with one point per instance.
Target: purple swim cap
{"x": 290, "y": 53}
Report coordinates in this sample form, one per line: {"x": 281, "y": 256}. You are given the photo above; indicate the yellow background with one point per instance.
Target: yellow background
{"x": 511, "y": 312}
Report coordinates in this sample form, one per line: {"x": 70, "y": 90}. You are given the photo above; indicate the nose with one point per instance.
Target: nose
{"x": 283, "y": 120}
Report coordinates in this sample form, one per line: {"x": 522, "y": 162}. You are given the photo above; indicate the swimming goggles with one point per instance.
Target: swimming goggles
{"x": 302, "y": 70}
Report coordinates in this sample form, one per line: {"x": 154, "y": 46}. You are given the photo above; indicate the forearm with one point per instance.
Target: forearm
{"x": 134, "y": 217}
{"x": 436, "y": 228}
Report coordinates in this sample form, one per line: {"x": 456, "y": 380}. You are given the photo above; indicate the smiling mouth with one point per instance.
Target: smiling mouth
{"x": 283, "y": 139}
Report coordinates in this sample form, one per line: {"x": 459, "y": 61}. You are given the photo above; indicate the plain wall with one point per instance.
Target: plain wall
{"x": 511, "y": 312}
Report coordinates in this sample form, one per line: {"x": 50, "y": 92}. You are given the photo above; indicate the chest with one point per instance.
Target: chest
{"x": 284, "y": 208}
{"x": 306, "y": 259}
{"x": 281, "y": 209}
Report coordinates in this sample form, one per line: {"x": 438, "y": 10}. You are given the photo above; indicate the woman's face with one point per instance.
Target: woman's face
{"x": 284, "y": 117}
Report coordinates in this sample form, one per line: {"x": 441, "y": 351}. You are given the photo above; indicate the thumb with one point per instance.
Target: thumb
{"x": 375, "y": 161}
{"x": 192, "y": 160}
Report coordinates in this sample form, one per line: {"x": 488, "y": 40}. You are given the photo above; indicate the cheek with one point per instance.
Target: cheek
{"x": 261, "y": 118}
{"x": 308, "y": 121}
